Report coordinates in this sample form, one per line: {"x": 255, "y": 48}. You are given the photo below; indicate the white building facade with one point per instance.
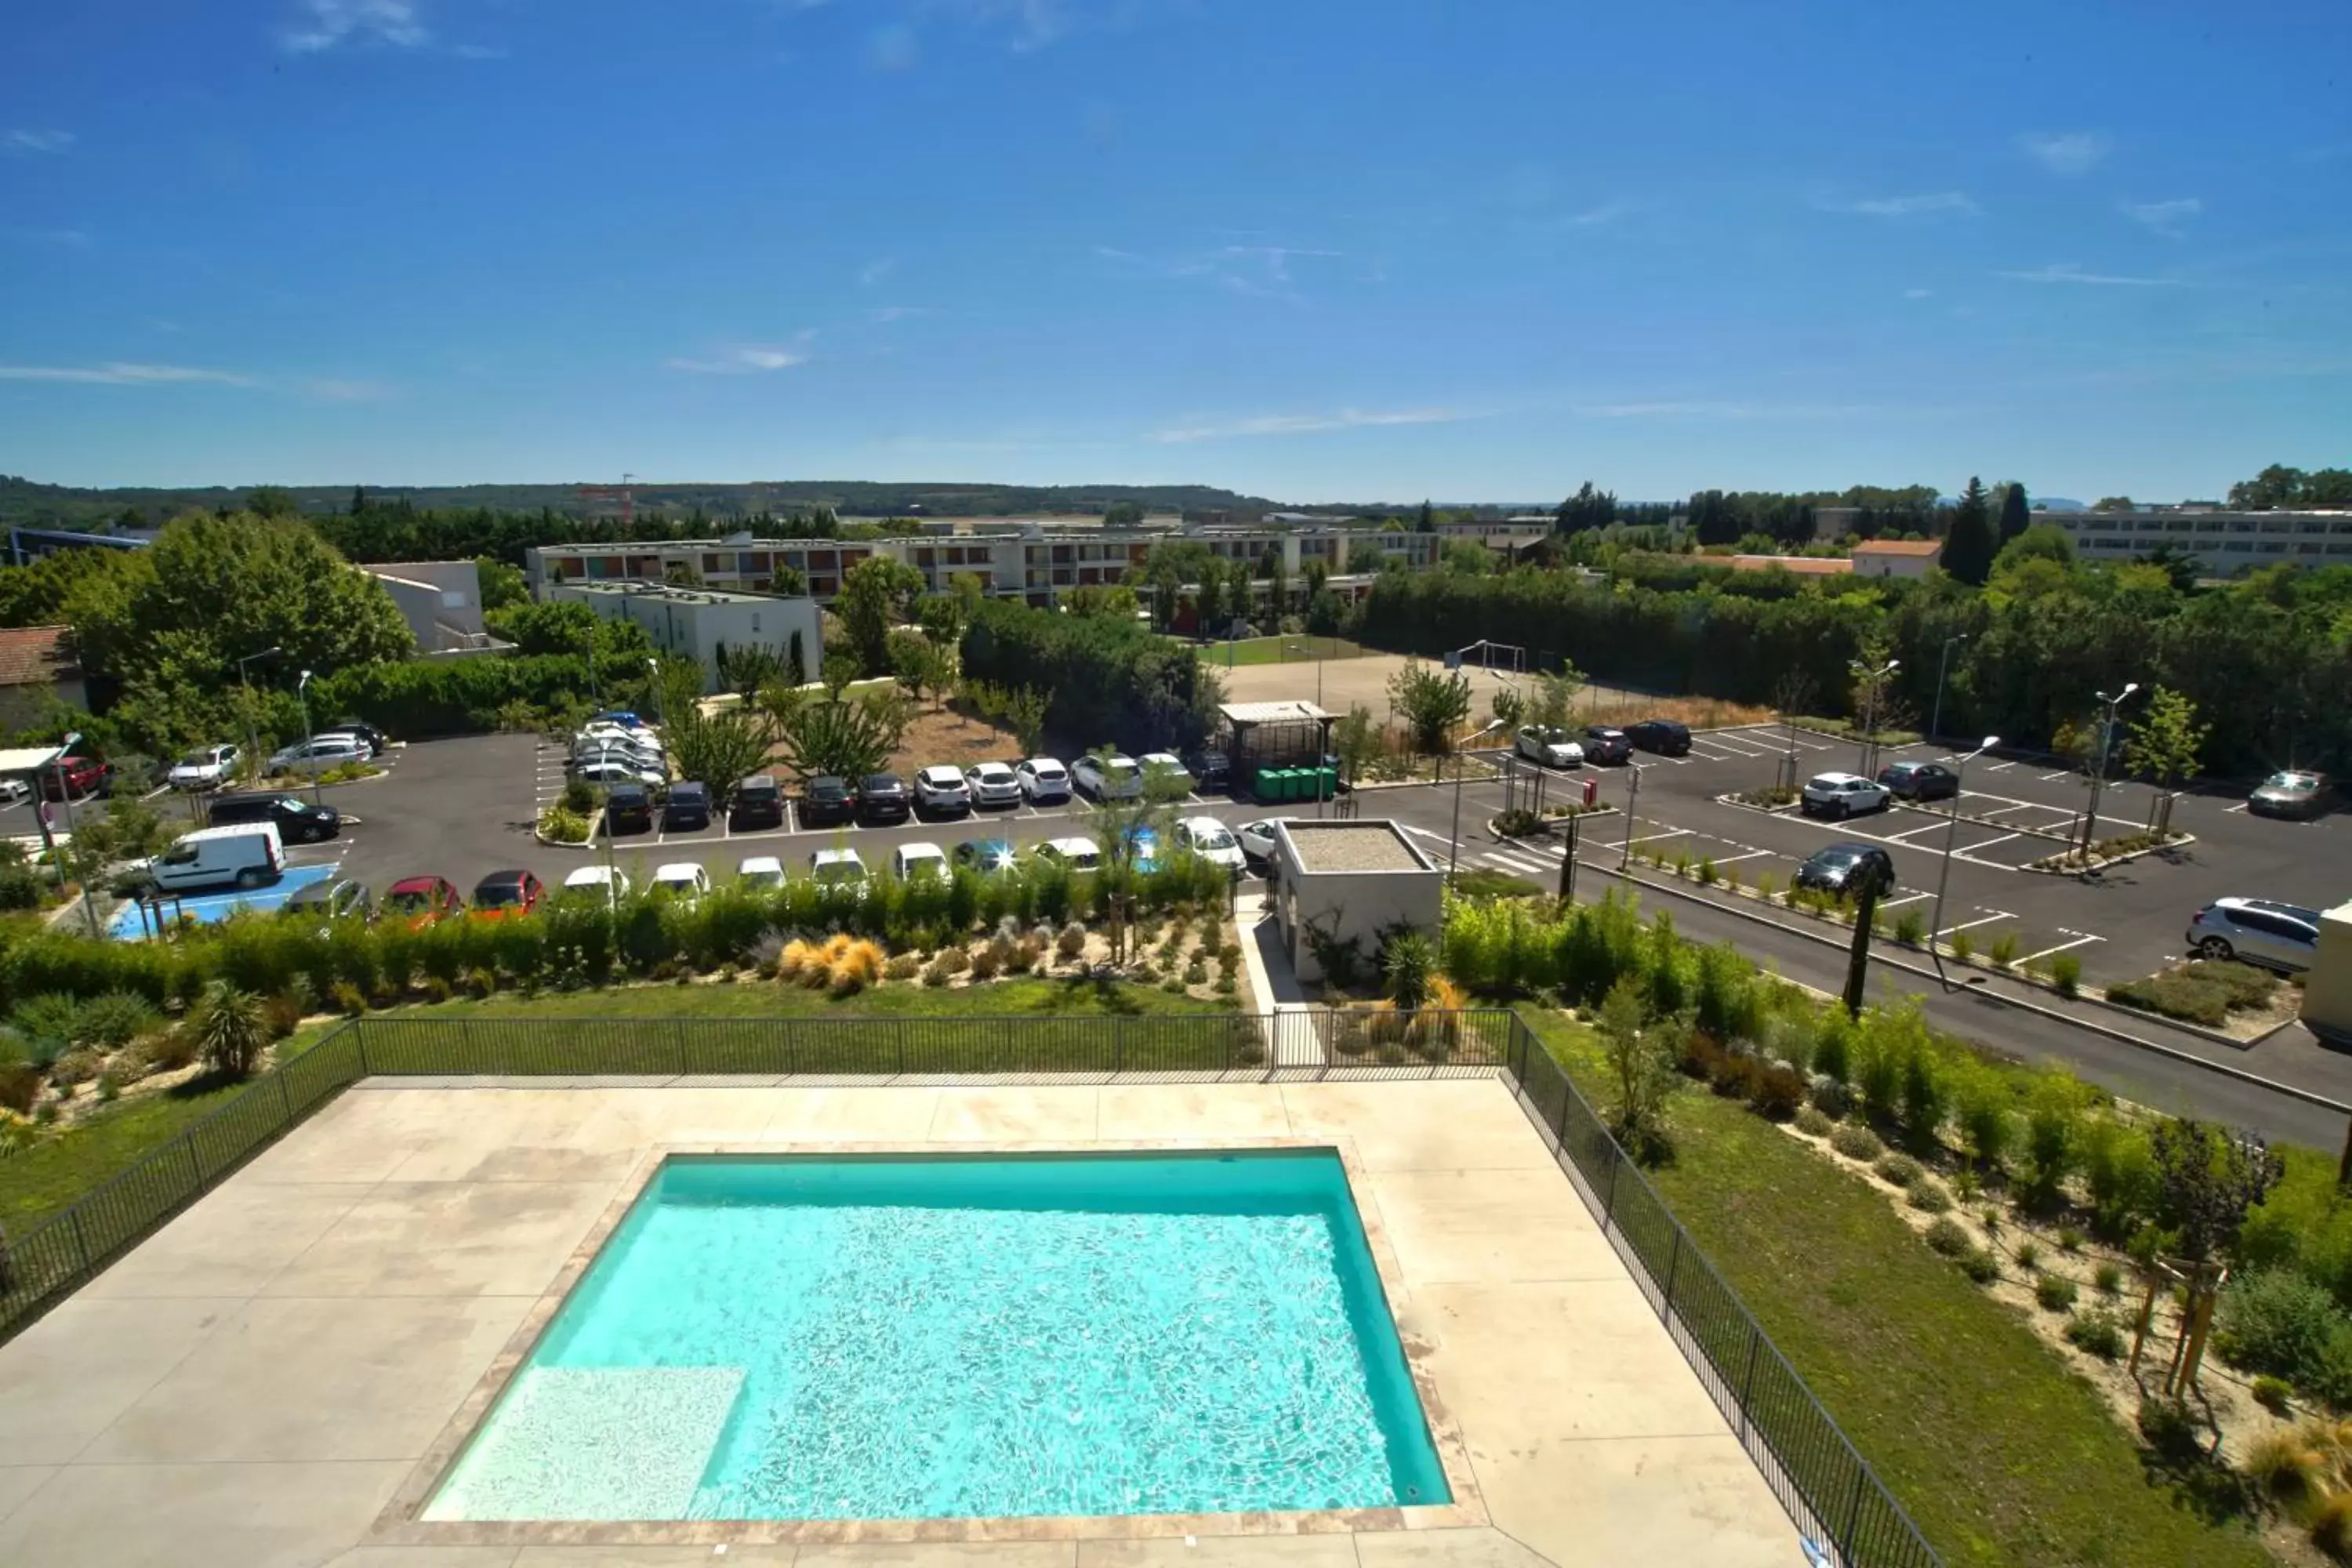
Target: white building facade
{"x": 2224, "y": 543}
{"x": 697, "y": 623}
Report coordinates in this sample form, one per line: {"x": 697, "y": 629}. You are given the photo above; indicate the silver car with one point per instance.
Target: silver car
{"x": 2278, "y": 936}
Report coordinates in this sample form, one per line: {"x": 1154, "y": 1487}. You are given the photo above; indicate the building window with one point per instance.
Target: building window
{"x": 2307, "y": 548}
{"x": 2212, "y": 526}
{"x": 2269, "y": 548}
{"x": 2339, "y": 550}
{"x": 2240, "y": 547}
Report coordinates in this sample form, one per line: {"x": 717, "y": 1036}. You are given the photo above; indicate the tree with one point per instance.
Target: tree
{"x": 1115, "y": 601}
{"x": 747, "y": 667}
{"x": 231, "y": 1031}
{"x": 721, "y": 749}
{"x": 874, "y": 596}
{"x": 502, "y": 585}
{"x": 2179, "y": 566}
{"x": 1468, "y": 555}
{"x": 1641, "y": 1071}
{"x": 1432, "y": 701}
{"x": 1587, "y": 508}
{"x": 2114, "y": 503}
{"x": 2164, "y": 743}
{"x": 1511, "y": 705}
{"x": 1427, "y": 522}
{"x": 1969, "y": 546}
{"x": 2014, "y": 513}
{"x": 272, "y": 501}
{"x": 920, "y": 664}
{"x": 1356, "y": 741}
{"x": 838, "y": 737}
{"x": 1122, "y": 514}
{"x": 1552, "y": 698}
{"x": 840, "y": 669}
{"x": 795, "y": 670}
{"x": 1277, "y": 589}
{"x": 1025, "y": 713}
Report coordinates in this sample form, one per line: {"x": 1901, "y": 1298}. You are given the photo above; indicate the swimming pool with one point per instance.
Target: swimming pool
{"x": 908, "y": 1337}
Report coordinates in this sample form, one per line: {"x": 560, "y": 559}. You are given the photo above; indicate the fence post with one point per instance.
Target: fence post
{"x": 1118, "y": 1046}
{"x": 901, "y": 1032}
{"x": 82, "y": 1240}
{"x": 677, "y": 1032}
{"x": 285, "y": 1099}
{"x": 1747, "y": 1384}
{"x": 1852, "y": 1516}
{"x": 1674, "y": 1266}
{"x": 1608, "y": 1200}
{"x": 359, "y": 1038}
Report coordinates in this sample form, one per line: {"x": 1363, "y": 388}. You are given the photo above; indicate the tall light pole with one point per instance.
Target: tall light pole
{"x": 1951, "y": 831}
{"x": 1492, "y": 725}
{"x": 1870, "y": 680}
{"x": 1632, "y": 810}
{"x": 302, "y": 694}
{"x": 65, "y": 798}
{"x": 253, "y": 742}
{"x": 2099, "y": 763}
{"x": 653, "y": 690}
{"x": 1943, "y": 661}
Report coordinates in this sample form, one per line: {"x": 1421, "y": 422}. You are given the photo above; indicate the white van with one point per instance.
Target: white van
{"x": 247, "y": 856}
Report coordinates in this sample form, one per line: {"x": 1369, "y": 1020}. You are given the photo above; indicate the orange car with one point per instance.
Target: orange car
{"x": 504, "y": 893}
{"x": 422, "y": 902}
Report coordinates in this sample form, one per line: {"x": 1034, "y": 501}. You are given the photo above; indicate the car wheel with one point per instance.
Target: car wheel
{"x": 1843, "y": 810}
{"x": 2217, "y": 949}
{"x": 248, "y": 879}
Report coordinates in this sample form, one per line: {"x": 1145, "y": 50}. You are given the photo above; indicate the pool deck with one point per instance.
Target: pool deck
{"x": 270, "y": 1380}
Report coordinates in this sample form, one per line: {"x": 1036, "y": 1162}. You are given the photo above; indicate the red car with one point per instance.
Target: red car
{"x": 422, "y": 902}
{"x": 82, "y": 775}
{"x": 504, "y": 893}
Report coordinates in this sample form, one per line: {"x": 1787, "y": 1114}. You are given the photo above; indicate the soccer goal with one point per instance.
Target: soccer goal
{"x": 1494, "y": 656}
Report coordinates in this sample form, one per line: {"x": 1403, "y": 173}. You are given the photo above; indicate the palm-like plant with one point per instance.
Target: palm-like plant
{"x": 1408, "y": 962}
{"x": 231, "y": 1030}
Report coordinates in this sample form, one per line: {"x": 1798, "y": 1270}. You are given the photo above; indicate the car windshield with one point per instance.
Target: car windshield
{"x": 490, "y": 895}
{"x": 409, "y": 899}
{"x": 840, "y": 871}
{"x": 1213, "y": 838}
{"x": 1118, "y": 767}
{"x": 1838, "y": 857}
{"x": 2292, "y": 781}
{"x": 197, "y": 760}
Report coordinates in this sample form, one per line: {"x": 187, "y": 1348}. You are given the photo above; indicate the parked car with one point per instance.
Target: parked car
{"x": 1043, "y": 780}
{"x": 2285, "y": 937}
{"x": 637, "y": 759}
{"x": 363, "y": 741}
{"x": 1847, "y": 868}
{"x": 622, "y": 717}
{"x": 628, "y": 809}
{"x": 1606, "y": 743}
{"x": 1211, "y": 840}
{"x": 837, "y": 870}
{"x": 1256, "y": 838}
{"x": 2294, "y": 792}
{"x": 941, "y": 789}
{"x": 986, "y": 855}
{"x": 244, "y": 857}
{"x": 1548, "y": 745}
{"x": 1841, "y": 795}
{"x": 1164, "y": 764}
{"x": 332, "y": 900}
{"x": 206, "y": 768}
{"x": 883, "y": 797}
{"x": 318, "y": 753}
{"x": 1919, "y": 780}
{"x": 13, "y": 790}
{"x": 992, "y": 784}
{"x": 910, "y": 861}
{"x": 826, "y": 803}
{"x": 504, "y": 893}
{"x": 376, "y": 739}
{"x": 687, "y": 809}
{"x": 760, "y": 871}
{"x": 1112, "y": 777}
{"x": 758, "y": 802}
{"x": 606, "y": 883}
{"x": 609, "y": 775}
{"x": 681, "y": 880}
{"x": 1077, "y": 854}
{"x": 1663, "y": 736}
{"x": 76, "y": 777}
{"x": 295, "y": 819}
{"x": 422, "y": 902}
{"x": 1211, "y": 769}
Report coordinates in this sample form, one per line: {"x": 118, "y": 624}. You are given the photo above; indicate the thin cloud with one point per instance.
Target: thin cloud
{"x": 1259, "y": 270}
{"x": 119, "y": 374}
{"x": 876, "y": 270}
{"x": 1698, "y": 409}
{"x": 1904, "y": 206}
{"x": 23, "y": 142}
{"x": 1305, "y": 424}
{"x": 748, "y": 360}
{"x": 2066, "y": 153}
{"x": 2068, "y": 272}
{"x": 72, "y": 238}
{"x": 2164, "y": 218}
{"x": 1917, "y": 293}
{"x": 1605, "y": 214}
{"x": 330, "y": 23}
{"x": 334, "y": 391}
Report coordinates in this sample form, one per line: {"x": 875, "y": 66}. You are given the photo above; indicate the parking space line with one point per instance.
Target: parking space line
{"x": 2000, "y": 767}
{"x": 1728, "y": 859}
{"x": 1701, "y": 754}
{"x": 2240, "y": 806}
{"x": 1905, "y": 899}
{"x": 1982, "y": 920}
{"x": 1646, "y": 837}
{"x": 2062, "y": 947}
{"x": 1909, "y": 833}
{"x": 1741, "y": 745}
{"x": 1972, "y": 848}
{"x": 2061, "y": 773}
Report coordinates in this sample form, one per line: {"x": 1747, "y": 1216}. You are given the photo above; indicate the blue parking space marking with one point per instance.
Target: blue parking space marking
{"x": 208, "y": 909}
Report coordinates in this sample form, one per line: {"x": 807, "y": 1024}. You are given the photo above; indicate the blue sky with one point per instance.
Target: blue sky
{"x": 1313, "y": 249}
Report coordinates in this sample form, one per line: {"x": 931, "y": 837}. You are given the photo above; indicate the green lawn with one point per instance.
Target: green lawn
{"x": 1278, "y": 650}
{"x": 51, "y": 1175}
{"x": 2000, "y": 1455}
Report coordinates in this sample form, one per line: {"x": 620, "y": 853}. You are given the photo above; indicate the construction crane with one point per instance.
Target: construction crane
{"x": 628, "y": 498}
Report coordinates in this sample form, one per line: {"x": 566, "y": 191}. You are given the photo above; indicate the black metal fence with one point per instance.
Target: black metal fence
{"x": 1828, "y": 1488}
{"x": 1808, "y": 1461}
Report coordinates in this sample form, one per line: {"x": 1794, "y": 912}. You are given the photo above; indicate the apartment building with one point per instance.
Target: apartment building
{"x": 696, "y": 623}
{"x": 2224, "y": 543}
{"x": 739, "y": 562}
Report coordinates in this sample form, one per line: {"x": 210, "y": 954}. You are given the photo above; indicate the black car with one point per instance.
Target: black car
{"x": 1210, "y": 769}
{"x": 828, "y": 802}
{"x": 1919, "y": 780}
{"x": 335, "y": 895}
{"x": 1605, "y": 743}
{"x": 1662, "y": 736}
{"x": 628, "y": 809}
{"x": 883, "y": 797}
{"x": 376, "y": 739}
{"x": 295, "y": 819}
{"x": 758, "y": 802}
{"x": 688, "y": 808}
{"x": 1847, "y": 868}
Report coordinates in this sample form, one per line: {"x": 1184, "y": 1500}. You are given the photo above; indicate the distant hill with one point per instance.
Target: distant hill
{"x": 25, "y": 503}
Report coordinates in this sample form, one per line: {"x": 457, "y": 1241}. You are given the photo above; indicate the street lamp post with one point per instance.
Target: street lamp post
{"x": 2099, "y": 763}
{"x": 1943, "y": 661}
{"x": 302, "y": 694}
{"x": 652, "y": 668}
{"x": 252, "y": 740}
{"x": 65, "y": 798}
{"x": 1871, "y": 680}
{"x": 1632, "y": 810}
{"x": 1951, "y": 831}
{"x": 1455, "y": 847}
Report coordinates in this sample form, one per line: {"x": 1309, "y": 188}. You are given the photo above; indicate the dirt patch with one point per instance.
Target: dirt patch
{"x": 1344, "y": 682}
{"x": 945, "y": 735}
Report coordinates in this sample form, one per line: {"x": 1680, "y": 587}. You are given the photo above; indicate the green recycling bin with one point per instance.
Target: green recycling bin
{"x": 1326, "y": 784}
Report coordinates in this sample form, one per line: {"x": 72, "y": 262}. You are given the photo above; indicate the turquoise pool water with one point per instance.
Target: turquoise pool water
{"x": 907, "y": 1337}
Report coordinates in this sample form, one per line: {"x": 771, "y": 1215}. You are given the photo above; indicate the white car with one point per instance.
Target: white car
{"x": 910, "y": 861}
{"x": 837, "y": 870}
{"x": 611, "y": 883}
{"x": 604, "y": 775}
{"x": 598, "y": 733}
{"x": 1165, "y": 765}
{"x": 1256, "y": 838}
{"x": 2285, "y": 937}
{"x": 1077, "y": 854}
{"x": 992, "y": 784}
{"x": 1114, "y": 777}
{"x": 1043, "y": 780}
{"x": 682, "y": 878}
{"x": 584, "y": 750}
{"x": 941, "y": 789}
{"x": 14, "y": 790}
{"x": 1211, "y": 840}
{"x": 204, "y": 769}
{"x": 316, "y": 754}
{"x": 367, "y": 747}
{"x": 1548, "y": 745}
{"x": 1841, "y": 795}
{"x": 760, "y": 871}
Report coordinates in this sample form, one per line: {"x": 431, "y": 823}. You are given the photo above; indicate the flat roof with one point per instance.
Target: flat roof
{"x": 1376, "y": 846}
{"x": 1273, "y": 713}
{"x": 1899, "y": 547}
{"x": 28, "y": 759}
{"x": 672, "y": 592}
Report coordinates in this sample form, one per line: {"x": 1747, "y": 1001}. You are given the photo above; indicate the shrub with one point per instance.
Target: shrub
{"x": 2029, "y": 1254}
{"x": 1981, "y": 1266}
{"x": 1196, "y": 973}
{"x": 2069, "y": 1239}
{"x": 2107, "y": 1279}
{"x": 936, "y": 974}
{"x": 76, "y": 1067}
{"x": 1911, "y": 928}
{"x": 2170, "y": 1429}
{"x": 2094, "y": 1333}
{"x": 2065, "y": 973}
{"x": 2330, "y": 1523}
{"x": 986, "y": 964}
{"x": 1708, "y": 873}
{"x": 2283, "y": 1465}
{"x": 346, "y": 999}
{"x": 2173, "y": 994}
{"x": 1766, "y": 884}
{"x": 1950, "y": 1238}
{"x": 1963, "y": 946}
{"x": 1227, "y": 985}
{"x": 1812, "y": 1124}
{"x": 2279, "y": 1322}
{"x": 2272, "y": 1394}
{"x": 1072, "y": 941}
{"x": 2055, "y": 1292}
{"x": 2004, "y": 950}
{"x": 1172, "y": 985}
{"x": 1929, "y": 1197}
{"x": 1856, "y": 1142}
{"x": 230, "y": 1029}
{"x": 903, "y": 966}
{"x": 1897, "y": 1170}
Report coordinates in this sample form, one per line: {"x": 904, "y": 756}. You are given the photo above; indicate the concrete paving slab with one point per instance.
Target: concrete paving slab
{"x": 944, "y": 1555}
{"x": 448, "y": 1239}
{"x": 1458, "y": 1124}
{"x": 1014, "y": 1115}
{"x": 18, "y": 1482}
{"x": 66, "y": 1378}
{"x": 230, "y": 1242}
{"x": 848, "y": 1115}
{"x": 1649, "y": 1500}
{"x": 426, "y": 1557}
{"x": 1222, "y": 1552}
{"x": 1444, "y": 1549}
{"x": 1191, "y": 1111}
{"x": 1454, "y": 1226}
{"x": 181, "y": 1516}
{"x": 737, "y": 1556}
